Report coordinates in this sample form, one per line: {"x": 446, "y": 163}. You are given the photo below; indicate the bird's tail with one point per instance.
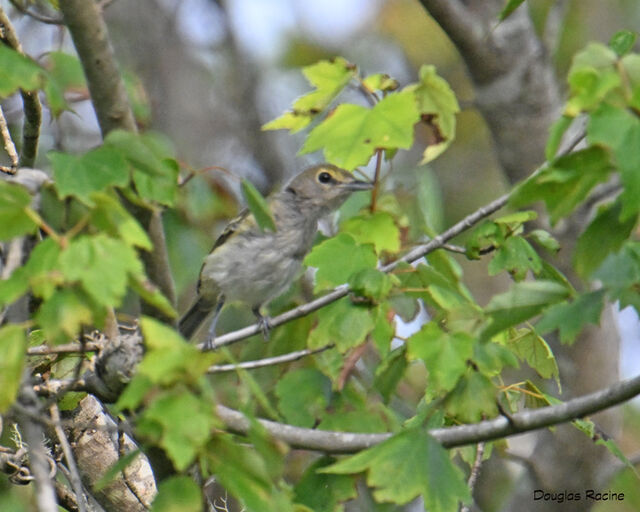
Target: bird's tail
{"x": 194, "y": 317}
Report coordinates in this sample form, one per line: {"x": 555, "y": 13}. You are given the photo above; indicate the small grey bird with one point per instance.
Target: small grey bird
{"x": 253, "y": 266}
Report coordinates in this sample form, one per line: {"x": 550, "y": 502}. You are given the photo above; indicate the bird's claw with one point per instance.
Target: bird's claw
{"x": 264, "y": 323}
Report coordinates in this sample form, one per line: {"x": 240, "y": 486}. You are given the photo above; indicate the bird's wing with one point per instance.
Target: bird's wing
{"x": 231, "y": 228}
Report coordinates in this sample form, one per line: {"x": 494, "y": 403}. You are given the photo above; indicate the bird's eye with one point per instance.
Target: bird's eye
{"x": 324, "y": 177}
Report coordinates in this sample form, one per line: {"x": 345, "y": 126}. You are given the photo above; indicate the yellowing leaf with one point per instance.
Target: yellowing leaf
{"x": 329, "y": 78}
{"x": 352, "y": 133}
{"x": 437, "y": 101}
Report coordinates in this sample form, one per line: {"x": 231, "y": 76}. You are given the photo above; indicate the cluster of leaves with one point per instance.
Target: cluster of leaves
{"x": 90, "y": 256}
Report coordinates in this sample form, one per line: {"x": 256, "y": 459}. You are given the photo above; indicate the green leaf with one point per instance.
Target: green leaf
{"x": 342, "y": 323}
{"x": 152, "y": 295}
{"x": 605, "y": 234}
{"x": 380, "y": 82}
{"x": 617, "y": 452}
{"x": 65, "y": 74}
{"x": 566, "y": 182}
{"x": 80, "y": 176}
{"x": 384, "y": 329}
{"x": 622, "y": 42}
{"x": 303, "y": 395}
{"x": 18, "y": 72}
{"x": 109, "y": 216}
{"x": 155, "y": 174}
{"x": 438, "y": 105}
{"x": 509, "y": 7}
{"x": 329, "y": 78}
{"x": 592, "y": 78}
{"x": 445, "y": 355}
{"x": 14, "y": 287}
{"x": 168, "y": 359}
{"x": 14, "y": 202}
{"x": 521, "y": 302}
{"x": 163, "y": 422}
{"x": 378, "y": 229}
{"x": 517, "y": 257}
{"x": 258, "y": 206}
{"x": 138, "y": 151}
{"x": 337, "y": 259}
{"x": 42, "y": 268}
{"x": 102, "y": 265}
{"x": 408, "y": 465}
{"x": 390, "y": 371}
{"x": 473, "y": 398}
{"x": 352, "y": 133}
{"x": 570, "y": 318}
{"x": 356, "y": 420}
{"x": 544, "y": 239}
{"x": 371, "y": 283}
{"x": 245, "y": 475}
{"x": 177, "y": 494}
{"x": 62, "y": 315}
{"x": 619, "y": 129}
{"x": 491, "y": 358}
{"x": 323, "y": 492}
{"x": 533, "y": 349}
{"x": 13, "y": 346}
{"x": 556, "y": 132}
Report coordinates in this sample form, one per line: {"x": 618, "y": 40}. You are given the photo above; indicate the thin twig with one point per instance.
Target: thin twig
{"x": 9, "y": 146}
{"x": 74, "y": 476}
{"x": 49, "y": 20}
{"x": 68, "y": 348}
{"x": 349, "y": 365}
{"x": 475, "y": 470}
{"x": 268, "y": 361}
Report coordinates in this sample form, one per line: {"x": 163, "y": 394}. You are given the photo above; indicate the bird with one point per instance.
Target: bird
{"x": 253, "y": 266}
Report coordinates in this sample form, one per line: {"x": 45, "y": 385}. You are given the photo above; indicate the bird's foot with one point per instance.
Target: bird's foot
{"x": 264, "y": 322}
{"x": 209, "y": 342}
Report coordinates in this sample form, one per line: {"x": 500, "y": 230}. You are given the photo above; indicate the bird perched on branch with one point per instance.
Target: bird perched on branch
{"x": 254, "y": 266}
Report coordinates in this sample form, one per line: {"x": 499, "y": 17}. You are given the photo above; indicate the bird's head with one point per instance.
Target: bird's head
{"x": 323, "y": 188}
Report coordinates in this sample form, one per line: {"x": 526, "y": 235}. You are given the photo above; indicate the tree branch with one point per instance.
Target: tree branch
{"x": 111, "y": 104}
{"x": 9, "y": 146}
{"x": 89, "y": 33}
{"x": 40, "y": 463}
{"x": 524, "y": 421}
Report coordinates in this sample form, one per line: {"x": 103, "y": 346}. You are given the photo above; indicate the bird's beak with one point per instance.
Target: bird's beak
{"x": 357, "y": 185}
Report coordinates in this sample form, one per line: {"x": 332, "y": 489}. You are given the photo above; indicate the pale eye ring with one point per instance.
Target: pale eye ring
{"x": 324, "y": 177}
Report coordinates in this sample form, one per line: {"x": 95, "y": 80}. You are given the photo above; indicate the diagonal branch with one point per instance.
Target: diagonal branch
{"x": 91, "y": 39}
{"x": 524, "y": 421}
